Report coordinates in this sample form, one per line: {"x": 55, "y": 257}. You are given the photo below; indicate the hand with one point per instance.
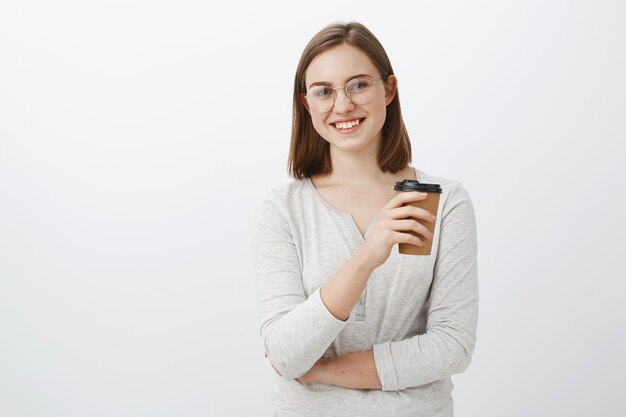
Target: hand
{"x": 392, "y": 225}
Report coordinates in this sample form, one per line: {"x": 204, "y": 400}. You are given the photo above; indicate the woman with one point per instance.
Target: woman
{"x": 351, "y": 326}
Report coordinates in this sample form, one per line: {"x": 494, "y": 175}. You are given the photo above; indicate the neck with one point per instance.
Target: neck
{"x": 357, "y": 167}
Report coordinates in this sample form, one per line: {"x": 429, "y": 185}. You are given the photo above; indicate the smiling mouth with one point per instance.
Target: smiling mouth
{"x": 347, "y": 125}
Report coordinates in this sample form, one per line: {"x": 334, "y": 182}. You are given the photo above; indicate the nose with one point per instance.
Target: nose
{"x": 342, "y": 101}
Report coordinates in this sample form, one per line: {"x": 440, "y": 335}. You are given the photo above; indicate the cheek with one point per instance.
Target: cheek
{"x": 318, "y": 124}
{"x": 379, "y": 114}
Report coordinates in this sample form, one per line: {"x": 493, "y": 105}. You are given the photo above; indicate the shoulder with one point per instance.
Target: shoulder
{"x": 447, "y": 184}
{"x": 452, "y": 189}
{"x": 284, "y": 199}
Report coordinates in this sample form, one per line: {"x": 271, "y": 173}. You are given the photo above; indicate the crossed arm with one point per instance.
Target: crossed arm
{"x": 354, "y": 370}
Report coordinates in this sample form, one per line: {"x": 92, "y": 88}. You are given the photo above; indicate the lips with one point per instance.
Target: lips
{"x": 347, "y": 124}
{"x": 347, "y": 127}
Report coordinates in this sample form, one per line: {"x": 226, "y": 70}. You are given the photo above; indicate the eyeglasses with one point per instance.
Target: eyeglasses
{"x": 359, "y": 90}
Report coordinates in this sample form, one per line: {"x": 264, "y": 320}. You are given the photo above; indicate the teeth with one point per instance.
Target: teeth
{"x": 347, "y": 125}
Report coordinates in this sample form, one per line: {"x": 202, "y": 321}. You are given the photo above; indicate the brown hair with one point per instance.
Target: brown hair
{"x": 309, "y": 153}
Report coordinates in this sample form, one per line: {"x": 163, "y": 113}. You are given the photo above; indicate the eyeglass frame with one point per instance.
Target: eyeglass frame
{"x": 345, "y": 88}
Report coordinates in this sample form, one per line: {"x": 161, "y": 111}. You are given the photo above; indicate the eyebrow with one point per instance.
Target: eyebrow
{"x": 348, "y": 79}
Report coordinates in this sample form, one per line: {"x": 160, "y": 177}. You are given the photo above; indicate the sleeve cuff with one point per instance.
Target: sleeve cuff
{"x": 385, "y": 367}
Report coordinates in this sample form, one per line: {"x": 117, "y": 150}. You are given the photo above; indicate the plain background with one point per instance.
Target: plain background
{"x": 136, "y": 138}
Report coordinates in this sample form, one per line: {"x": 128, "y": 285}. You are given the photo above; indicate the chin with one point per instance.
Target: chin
{"x": 355, "y": 144}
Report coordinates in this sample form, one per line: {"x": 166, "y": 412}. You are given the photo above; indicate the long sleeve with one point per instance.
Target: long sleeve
{"x": 296, "y": 330}
{"x": 448, "y": 344}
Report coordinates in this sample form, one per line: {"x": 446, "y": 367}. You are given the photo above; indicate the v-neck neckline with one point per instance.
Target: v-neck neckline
{"x": 348, "y": 216}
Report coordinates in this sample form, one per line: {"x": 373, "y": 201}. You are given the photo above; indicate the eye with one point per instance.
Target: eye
{"x": 321, "y": 92}
{"x": 359, "y": 84}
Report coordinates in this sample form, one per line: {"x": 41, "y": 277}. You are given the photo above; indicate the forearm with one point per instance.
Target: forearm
{"x": 353, "y": 370}
{"x": 342, "y": 291}
{"x": 298, "y": 340}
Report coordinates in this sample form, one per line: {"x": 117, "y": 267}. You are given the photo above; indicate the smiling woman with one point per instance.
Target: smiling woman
{"x": 352, "y": 326}
{"x": 362, "y": 91}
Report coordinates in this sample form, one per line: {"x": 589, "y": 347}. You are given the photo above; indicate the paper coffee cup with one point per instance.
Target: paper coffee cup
{"x": 430, "y": 203}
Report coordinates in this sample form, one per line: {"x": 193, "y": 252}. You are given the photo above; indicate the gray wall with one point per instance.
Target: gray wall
{"x": 136, "y": 138}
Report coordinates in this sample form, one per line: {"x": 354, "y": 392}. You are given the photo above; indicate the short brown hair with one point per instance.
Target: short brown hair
{"x": 309, "y": 153}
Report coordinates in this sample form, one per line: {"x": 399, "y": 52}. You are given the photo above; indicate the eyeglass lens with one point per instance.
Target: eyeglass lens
{"x": 322, "y": 98}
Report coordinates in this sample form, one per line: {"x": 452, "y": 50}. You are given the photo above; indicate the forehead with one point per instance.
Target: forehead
{"x": 337, "y": 64}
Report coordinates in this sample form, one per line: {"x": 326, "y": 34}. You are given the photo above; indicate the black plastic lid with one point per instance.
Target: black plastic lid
{"x": 414, "y": 185}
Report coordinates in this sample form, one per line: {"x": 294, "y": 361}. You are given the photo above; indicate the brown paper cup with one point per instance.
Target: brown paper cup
{"x": 431, "y": 204}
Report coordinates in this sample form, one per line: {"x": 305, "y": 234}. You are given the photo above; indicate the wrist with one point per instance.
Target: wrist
{"x": 363, "y": 260}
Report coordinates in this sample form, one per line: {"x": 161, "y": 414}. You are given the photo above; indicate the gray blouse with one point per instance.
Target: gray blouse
{"x": 418, "y": 313}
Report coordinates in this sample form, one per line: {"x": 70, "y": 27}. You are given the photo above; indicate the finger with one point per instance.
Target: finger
{"x": 412, "y": 225}
{"x": 400, "y": 237}
{"x": 411, "y": 211}
{"x": 405, "y": 197}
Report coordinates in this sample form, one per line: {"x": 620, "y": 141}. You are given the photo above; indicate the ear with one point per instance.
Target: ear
{"x": 304, "y": 102}
{"x": 391, "y": 86}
